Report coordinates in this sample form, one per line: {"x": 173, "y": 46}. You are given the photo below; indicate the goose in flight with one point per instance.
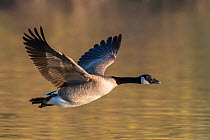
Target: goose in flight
{"x": 78, "y": 83}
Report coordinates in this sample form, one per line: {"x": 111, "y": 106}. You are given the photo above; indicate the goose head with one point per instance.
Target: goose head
{"x": 148, "y": 79}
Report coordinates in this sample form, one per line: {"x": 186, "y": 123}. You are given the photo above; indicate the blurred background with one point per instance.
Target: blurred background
{"x": 168, "y": 39}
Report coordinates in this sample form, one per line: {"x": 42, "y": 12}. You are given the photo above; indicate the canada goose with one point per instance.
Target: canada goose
{"x": 80, "y": 83}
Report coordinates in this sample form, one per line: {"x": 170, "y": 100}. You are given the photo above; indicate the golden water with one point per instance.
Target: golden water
{"x": 171, "y": 44}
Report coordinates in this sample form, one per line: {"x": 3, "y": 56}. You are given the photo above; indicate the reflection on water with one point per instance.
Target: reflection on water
{"x": 170, "y": 44}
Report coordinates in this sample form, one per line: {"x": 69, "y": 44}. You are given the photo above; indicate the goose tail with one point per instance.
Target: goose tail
{"x": 41, "y": 100}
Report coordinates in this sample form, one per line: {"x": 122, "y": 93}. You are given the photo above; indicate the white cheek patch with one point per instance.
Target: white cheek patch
{"x": 144, "y": 81}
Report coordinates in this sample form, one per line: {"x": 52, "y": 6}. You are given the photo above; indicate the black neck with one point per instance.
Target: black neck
{"x": 124, "y": 80}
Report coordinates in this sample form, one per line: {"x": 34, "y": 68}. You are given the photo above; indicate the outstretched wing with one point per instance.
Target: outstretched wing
{"x": 53, "y": 65}
{"x": 97, "y": 59}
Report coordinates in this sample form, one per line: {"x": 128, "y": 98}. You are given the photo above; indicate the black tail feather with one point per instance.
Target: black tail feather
{"x": 38, "y": 100}
{"x": 44, "y": 105}
{"x": 41, "y": 100}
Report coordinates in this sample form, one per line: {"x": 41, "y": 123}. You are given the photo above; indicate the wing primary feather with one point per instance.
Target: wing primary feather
{"x": 25, "y": 39}
{"x": 42, "y": 34}
{"x": 102, "y": 42}
{"x": 119, "y": 41}
{"x": 29, "y": 30}
{"x": 109, "y": 41}
{"x": 36, "y": 32}
{"x": 28, "y": 36}
{"x": 114, "y": 41}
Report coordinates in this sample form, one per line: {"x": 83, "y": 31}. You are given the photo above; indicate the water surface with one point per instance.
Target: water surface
{"x": 171, "y": 44}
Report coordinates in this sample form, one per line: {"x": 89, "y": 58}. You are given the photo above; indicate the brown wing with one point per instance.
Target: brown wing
{"x": 53, "y": 65}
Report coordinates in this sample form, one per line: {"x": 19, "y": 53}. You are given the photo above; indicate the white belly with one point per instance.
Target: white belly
{"x": 57, "y": 100}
